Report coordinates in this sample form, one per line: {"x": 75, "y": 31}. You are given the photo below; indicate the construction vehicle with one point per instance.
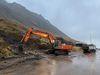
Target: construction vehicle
{"x": 87, "y": 48}
{"x": 92, "y": 48}
{"x": 56, "y": 45}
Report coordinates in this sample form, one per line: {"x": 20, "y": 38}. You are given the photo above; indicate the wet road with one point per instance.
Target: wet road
{"x": 75, "y": 64}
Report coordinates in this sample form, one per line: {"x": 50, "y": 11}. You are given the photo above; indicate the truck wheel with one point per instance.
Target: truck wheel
{"x": 85, "y": 51}
{"x": 51, "y": 52}
{"x": 67, "y": 53}
{"x": 56, "y": 52}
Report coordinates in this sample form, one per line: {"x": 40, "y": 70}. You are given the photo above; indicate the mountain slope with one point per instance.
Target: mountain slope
{"x": 20, "y": 14}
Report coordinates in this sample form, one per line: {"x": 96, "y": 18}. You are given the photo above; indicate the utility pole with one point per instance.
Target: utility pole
{"x": 90, "y": 38}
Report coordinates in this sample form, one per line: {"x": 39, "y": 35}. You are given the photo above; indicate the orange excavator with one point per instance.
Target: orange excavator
{"x": 57, "y": 45}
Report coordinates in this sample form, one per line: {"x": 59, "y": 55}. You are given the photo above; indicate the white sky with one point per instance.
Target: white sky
{"x": 79, "y": 19}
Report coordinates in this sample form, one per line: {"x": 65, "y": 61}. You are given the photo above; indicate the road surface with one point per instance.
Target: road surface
{"x": 75, "y": 64}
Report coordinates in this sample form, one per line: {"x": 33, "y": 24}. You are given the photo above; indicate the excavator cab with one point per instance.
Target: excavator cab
{"x": 56, "y": 43}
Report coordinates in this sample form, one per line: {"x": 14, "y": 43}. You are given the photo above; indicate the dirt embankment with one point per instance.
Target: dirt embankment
{"x": 10, "y": 35}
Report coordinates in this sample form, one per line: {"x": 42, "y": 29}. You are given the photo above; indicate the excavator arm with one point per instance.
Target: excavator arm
{"x": 39, "y": 33}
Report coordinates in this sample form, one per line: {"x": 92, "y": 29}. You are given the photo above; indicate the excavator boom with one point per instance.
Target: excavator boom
{"x": 39, "y": 33}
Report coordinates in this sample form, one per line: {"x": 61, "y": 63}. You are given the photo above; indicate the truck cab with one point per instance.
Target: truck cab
{"x": 92, "y": 48}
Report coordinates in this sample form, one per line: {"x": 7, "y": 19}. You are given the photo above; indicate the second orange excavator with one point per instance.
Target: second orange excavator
{"x": 57, "y": 45}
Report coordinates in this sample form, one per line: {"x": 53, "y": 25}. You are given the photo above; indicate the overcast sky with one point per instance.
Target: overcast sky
{"x": 80, "y": 19}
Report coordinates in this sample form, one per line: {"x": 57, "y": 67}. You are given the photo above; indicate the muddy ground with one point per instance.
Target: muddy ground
{"x": 76, "y": 63}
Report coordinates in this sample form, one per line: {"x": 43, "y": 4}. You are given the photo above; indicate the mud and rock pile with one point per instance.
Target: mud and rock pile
{"x": 10, "y": 36}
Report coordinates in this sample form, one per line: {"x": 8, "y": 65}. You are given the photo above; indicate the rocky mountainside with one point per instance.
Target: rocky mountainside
{"x": 18, "y": 13}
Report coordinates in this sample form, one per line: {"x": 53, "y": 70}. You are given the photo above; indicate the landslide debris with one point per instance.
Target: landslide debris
{"x": 10, "y": 35}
